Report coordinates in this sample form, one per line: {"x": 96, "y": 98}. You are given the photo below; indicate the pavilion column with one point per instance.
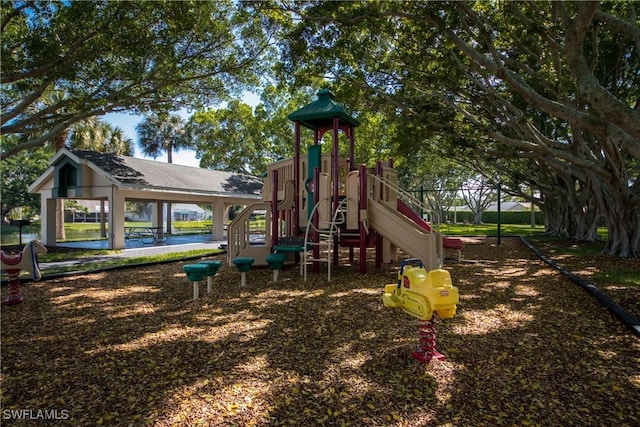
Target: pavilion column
{"x": 48, "y": 219}
{"x": 116, "y": 219}
{"x": 157, "y": 216}
{"x": 217, "y": 213}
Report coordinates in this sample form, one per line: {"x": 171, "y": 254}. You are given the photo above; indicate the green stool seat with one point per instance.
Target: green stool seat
{"x": 243, "y": 264}
{"x": 213, "y": 267}
{"x": 276, "y": 262}
{"x": 195, "y": 273}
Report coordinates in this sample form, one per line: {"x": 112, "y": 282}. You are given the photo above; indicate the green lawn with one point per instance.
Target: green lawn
{"x": 506, "y": 230}
{"x": 92, "y": 231}
{"x": 108, "y": 263}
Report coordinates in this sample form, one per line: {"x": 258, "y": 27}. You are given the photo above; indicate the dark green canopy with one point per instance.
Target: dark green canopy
{"x": 320, "y": 113}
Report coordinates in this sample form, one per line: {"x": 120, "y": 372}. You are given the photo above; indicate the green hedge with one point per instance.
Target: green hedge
{"x": 521, "y": 217}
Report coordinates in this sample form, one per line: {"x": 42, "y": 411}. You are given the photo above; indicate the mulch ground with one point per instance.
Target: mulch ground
{"x": 588, "y": 267}
{"x": 131, "y": 347}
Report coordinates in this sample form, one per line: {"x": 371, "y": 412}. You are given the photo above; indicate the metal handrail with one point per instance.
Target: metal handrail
{"x": 406, "y": 196}
{"x": 331, "y": 230}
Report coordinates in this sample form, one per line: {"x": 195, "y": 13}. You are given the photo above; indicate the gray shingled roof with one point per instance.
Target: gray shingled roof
{"x": 140, "y": 174}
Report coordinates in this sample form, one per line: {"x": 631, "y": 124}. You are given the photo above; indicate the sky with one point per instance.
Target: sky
{"x": 128, "y": 123}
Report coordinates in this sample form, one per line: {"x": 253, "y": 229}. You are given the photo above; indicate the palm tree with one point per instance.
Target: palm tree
{"x": 159, "y": 132}
{"x": 118, "y": 143}
{"x": 87, "y": 134}
{"x": 96, "y": 135}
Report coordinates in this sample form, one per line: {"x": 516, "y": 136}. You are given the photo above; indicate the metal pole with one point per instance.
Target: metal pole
{"x": 499, "y": 210}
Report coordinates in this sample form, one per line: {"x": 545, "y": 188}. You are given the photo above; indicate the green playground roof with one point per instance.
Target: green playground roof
{"x": 320, "y": 113}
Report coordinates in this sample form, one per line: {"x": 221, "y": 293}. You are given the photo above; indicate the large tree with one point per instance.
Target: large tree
{"x": 113, "y": 56}
{"x": 239, "y": 138}
{"x": 162, "y": 132}
{"x": 15, "y": 175}
{"x": 554, "y": 85}
{"x": 243, "y": 139}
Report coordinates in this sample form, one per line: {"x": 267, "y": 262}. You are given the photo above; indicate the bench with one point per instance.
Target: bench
{"x": 146, "y": 237}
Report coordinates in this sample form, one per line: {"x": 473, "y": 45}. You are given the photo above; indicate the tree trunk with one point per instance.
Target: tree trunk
{"x": 623, "y": 224}
{"x": 586, "y": 214}
{"x": 556, "y": 217}
{"x": 477, "y": 217}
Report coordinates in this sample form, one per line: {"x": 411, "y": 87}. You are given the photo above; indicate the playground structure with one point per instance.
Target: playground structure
{"x": 422, "y": 295}
{"x": 316, "y": 203}
{"x": 25, "y": 261}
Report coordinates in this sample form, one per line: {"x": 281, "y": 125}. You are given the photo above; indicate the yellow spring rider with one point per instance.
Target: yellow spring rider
{"x": 422, "y": 294}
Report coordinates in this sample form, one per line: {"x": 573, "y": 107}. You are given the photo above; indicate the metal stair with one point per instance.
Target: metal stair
{"x": 325, "y": 240}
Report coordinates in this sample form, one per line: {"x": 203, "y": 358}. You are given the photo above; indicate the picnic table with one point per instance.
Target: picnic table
{"x": 147, "y": 234}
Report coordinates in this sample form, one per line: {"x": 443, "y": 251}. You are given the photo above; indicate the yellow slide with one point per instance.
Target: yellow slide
{"x": 404, "y": 233}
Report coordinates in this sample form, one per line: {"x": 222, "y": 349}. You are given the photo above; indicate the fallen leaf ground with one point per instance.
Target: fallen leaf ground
{"x": 130, "y": 347}
{"x": 570, "y": 255}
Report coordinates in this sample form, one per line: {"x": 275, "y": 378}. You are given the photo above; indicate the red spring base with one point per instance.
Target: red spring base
{"x": 14, "y": 297}
{"x": 427, "y": 336}
{"x": 425, "y": 358}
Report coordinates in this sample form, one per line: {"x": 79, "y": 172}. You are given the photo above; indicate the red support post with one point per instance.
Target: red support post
{"x": 335, "y": 177}
{"x": 378, "y": 237}
{"x": 363, "y": 231}
{"x": 275, "y": 216}
{"x": 296, "y": 179}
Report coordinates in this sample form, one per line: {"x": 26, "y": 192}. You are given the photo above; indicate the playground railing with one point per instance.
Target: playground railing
{"x": 284, "y": 167}
{"x": 244, "y": 240}
{"x": 418, "y": 206}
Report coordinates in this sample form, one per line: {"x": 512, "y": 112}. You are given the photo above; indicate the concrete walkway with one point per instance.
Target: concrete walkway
{"x": 175, "y": 243}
